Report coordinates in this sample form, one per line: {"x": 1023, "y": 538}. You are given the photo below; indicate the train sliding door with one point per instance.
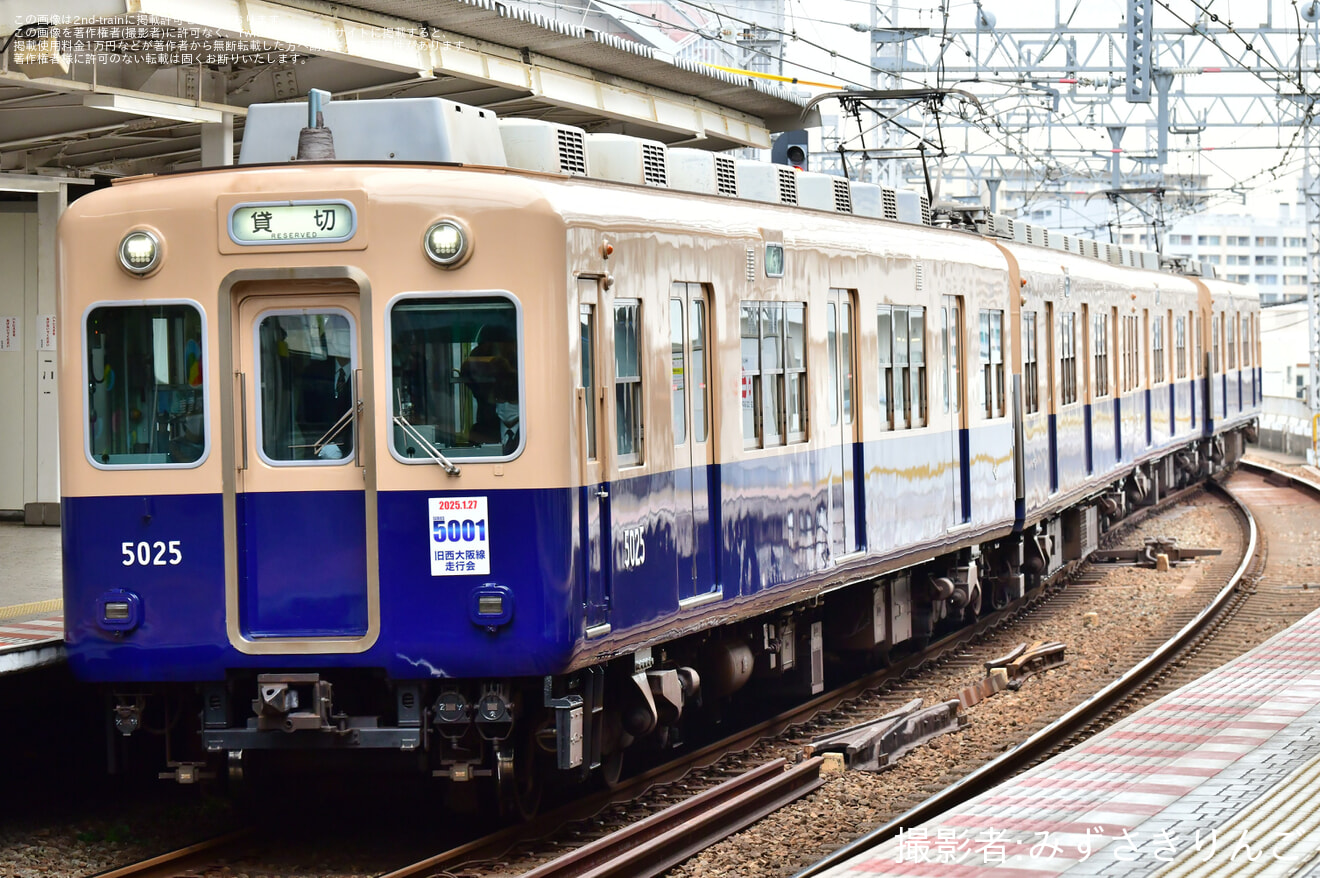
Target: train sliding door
{"x": 951, "y": 333}
{"x": 841, "y": 495}
{"x": 594, "y": 507}
{"x": 300, "y": 512}
{"x": 690, "y": 364}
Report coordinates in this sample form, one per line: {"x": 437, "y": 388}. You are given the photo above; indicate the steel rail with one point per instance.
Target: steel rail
{"x": 650, "y": 846}
{"x": 181, "y": 861}
{"x": 1042, "y": 742}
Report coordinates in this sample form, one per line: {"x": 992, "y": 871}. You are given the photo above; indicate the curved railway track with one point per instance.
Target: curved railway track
{"x": 593, "y": 852}
{"x": 1224, "y": 629}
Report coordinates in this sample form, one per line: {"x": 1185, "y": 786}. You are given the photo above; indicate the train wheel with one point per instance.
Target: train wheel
{"x": 519, "y": 779}
{"x": 611, "y": 769}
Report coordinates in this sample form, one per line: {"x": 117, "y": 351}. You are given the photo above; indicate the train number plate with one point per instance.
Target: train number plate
{"x": 292, "y": 222}
{"x": 460, "y": 536}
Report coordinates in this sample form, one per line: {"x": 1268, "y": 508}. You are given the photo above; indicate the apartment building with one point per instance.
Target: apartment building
{"x": 1269, "y": 254}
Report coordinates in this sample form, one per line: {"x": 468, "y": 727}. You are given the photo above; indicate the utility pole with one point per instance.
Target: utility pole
{"x": 1311, "y": 193}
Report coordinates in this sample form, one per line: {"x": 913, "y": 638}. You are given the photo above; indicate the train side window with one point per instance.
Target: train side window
{"x": 628, "y": 381}
{"x": 145, "y": 374}
{"x": 902, "y": 399}
{"x": 698, "y": 382}
{"x": 1246, "y": 341}
{"x": 1100, "y": 346}
{"x": 1131, "y": 354}
{"x": 917, "y": 366}
{"x": 795, "y": 371}
{"x": 839, "y": 333}
{"x": 885, "y": 343}
{"x": 772, "y": 374}
{"x": 846, "y": 351}
{"x": 1216, "y": 364}
{"x": 992, "y": 362}
{"x": 1230, "y": 341}
{"x": 587, "y": 379}
{"x": 1157, "y": 351}
{"x": 1197, "y": 341}
{"x": 832, "y": 351}
{"x": 955, "y": 361}
{"x": 1067, "y": 358}
{"x": 1180, "y": 347}
{"x": 678, "y": 371}
{"x": 455, "y": 381}
{"x": 1030, "y": 372}
{"x": 751, "y": 390}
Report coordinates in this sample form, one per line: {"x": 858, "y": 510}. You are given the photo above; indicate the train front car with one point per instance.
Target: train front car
{"x": 312, "y": 455}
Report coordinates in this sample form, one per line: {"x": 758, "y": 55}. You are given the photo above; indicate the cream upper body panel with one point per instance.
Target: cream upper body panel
{"x": 518, "y": 248}
{"x": 532, "y": 235}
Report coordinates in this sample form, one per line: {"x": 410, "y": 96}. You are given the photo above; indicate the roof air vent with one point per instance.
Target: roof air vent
{"x": 626, "y": 159}
{"x": 537, "y": 145}
{"x": 726, "y": 176}
{"x": 890, "y": 201}
{"x": 821, "y": 191}
{"x": 788, "y": 190}
{"x": 1001, "y": 226}
{"x": 842, "y": 195}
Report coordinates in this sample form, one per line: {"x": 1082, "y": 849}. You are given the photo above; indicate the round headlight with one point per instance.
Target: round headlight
{"x": 446, "y": 243}
{"x": 139, "y": 252}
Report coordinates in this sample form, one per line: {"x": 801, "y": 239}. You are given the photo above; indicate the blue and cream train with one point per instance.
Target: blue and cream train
{"x": 509, "y": 448}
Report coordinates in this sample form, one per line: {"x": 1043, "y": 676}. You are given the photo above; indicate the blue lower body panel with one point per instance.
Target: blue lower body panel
{"x": 302, "y": 564}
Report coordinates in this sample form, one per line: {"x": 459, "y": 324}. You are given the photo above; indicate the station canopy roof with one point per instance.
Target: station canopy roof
{"x": 121, "y": 87}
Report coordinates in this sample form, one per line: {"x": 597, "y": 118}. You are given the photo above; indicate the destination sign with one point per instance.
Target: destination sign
{"x": 292, "y": 222}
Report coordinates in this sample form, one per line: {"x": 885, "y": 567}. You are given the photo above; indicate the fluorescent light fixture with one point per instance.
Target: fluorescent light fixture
{"x": 153, "y": 108}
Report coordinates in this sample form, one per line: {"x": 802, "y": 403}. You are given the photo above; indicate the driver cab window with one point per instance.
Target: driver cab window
{"x": 455, "y": 382}
{"x": 146, "y": 385}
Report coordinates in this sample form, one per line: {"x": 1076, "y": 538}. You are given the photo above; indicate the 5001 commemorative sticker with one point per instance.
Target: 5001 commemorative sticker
{"x": 460, "y": 536}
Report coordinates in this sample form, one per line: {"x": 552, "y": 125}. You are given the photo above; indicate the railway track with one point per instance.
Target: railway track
{"x": 590, "y": 847}
{"x": 1258, "y": 599}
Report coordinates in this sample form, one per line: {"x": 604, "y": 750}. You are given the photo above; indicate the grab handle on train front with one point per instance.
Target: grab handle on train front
{"x": 241, "y": 379}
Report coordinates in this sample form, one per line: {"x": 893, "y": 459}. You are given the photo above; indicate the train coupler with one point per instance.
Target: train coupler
{"x": 186, "y": 772}
{"x": 292, "y": 702}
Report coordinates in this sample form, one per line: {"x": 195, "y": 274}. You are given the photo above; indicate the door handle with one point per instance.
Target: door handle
{"x": 602, "y": 493}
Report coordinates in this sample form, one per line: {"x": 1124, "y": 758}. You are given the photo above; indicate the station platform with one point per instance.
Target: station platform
{"x": 31, "y": 606}
{"x": 1220, "y": 777}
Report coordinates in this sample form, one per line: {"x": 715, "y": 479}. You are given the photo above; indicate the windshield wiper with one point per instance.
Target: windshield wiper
{"x": 434, "y": 453}
{"x": 335, "y": 429}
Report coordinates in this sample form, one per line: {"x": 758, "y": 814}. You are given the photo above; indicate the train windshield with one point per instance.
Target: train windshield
{"x": 455, "y": 381}
{"x": 146, "y": 400}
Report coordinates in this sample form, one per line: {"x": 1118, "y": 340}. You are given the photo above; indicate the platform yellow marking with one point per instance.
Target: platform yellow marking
{"x": 38, "y": 608}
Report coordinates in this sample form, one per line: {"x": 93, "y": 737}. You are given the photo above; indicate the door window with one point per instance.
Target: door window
{"x": 305, "y": 364}
{"x": 627, "y": 381}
